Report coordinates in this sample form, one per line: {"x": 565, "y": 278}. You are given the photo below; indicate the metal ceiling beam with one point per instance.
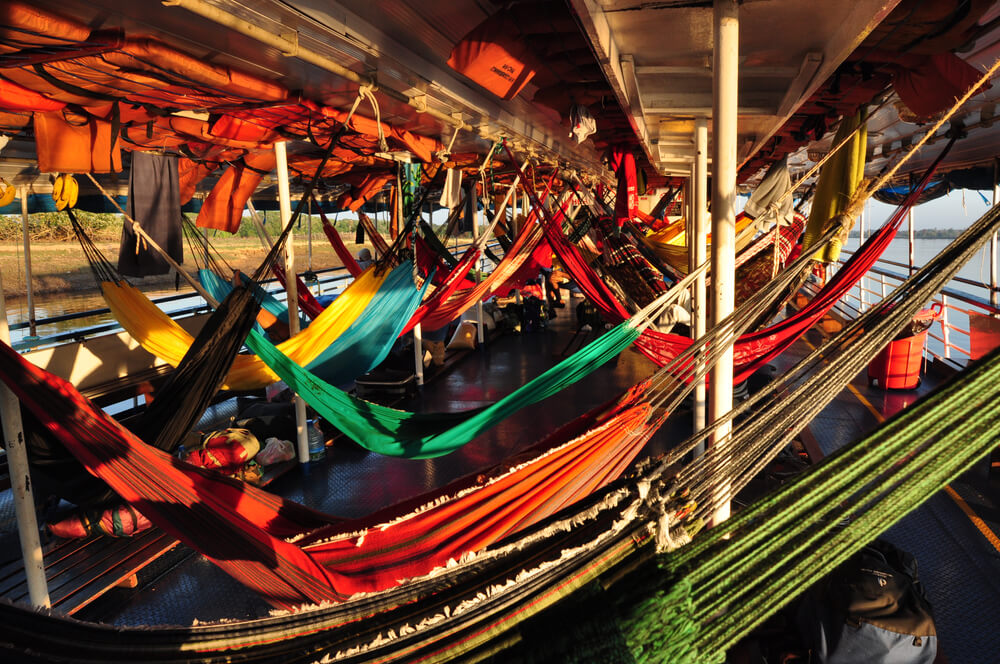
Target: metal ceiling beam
{"x": 806, "y": 73}
{"x": 706, "y": 72}
{"x": 597, "y": 30}
{"x": 862, "y": 17}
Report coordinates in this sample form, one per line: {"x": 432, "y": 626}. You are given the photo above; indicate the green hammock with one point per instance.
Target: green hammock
{"x": 424, "y": 435}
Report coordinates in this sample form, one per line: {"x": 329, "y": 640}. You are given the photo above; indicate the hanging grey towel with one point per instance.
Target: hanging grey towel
{"x": 154, "y": 201}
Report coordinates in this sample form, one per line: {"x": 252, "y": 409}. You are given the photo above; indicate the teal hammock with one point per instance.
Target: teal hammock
{"x": 409, "y": 435}
{"x": 367, "y": 342}
{"x": 219, "y": 288}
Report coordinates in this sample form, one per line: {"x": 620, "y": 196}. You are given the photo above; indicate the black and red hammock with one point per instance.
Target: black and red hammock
{"x": 247, "y": 531}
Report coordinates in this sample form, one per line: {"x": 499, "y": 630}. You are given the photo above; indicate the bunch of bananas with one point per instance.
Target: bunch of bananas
{"x": 65, "y": 190}
{"x": 7, "y": 192}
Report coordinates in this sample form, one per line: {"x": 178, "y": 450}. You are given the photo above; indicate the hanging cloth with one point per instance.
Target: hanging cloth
{"x": 154, "y": 202}
{"x": 775, "y": 183}
{"x": 838, "y": 180}
{"x": 451, "y": 194}
{"x": 627, "y": 198}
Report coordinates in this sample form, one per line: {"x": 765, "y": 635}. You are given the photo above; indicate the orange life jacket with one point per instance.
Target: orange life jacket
{"x": 492, "y": 56}
{"x": 69, "y": 143}
{"x": 223, "y": 208}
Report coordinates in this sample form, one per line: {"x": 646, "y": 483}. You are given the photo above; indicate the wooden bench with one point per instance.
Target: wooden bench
{"x": 78, "y": 571}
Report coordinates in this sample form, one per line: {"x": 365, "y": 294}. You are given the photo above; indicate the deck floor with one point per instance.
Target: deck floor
{"x": 959, "y": 559}
{"x": 957, "y": 562}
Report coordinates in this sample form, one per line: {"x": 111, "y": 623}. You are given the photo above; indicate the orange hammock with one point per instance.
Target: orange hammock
{"x": 248, "y": 532}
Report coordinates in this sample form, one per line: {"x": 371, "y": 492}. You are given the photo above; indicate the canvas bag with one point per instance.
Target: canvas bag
{"x": 871, "y": 609}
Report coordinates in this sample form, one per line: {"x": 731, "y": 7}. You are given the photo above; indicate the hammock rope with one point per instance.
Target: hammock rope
{"x": 717, "y": 589}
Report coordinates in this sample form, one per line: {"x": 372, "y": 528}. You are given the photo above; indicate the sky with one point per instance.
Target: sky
{"x": 957, "y": 209}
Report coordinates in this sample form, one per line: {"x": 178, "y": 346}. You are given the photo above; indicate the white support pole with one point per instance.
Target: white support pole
{"x": 418, "y": 353}
{"x": 291, "y": 289}
{"x": 699, "y": 241}
{"x": 309, "y": 221}
{"x": 29, "y": 289}
{"x": 724, "y": 136}
{"x": 480, "y": 333}
{"x": 862, "y": 298}
{"x": 20, "y": 481}
{"x": 910, "y": 231}
{"x": 994, "y": 296}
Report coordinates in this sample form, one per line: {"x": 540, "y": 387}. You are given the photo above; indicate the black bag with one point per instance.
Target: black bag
{"x": 870, "y": 610}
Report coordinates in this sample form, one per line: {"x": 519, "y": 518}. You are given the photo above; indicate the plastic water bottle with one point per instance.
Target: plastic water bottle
{"x": 317, "y": 446}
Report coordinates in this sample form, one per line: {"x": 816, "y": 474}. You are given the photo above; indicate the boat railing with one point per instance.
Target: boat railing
{"x": 179, "y": 305}
{"x": 951, "y": 337}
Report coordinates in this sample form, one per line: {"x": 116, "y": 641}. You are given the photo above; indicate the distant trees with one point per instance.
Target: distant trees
{"x": 923, "y": 233}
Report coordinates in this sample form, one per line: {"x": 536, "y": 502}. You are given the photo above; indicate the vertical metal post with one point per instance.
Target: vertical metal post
{"x": 909, "y": 229}
{"x": 291, "y": 289}
{"x": 724, "y": 134}
{"x": 20, "y": 481}
{"x": 310, "y": 233}
{"x": 945, "y": 326}
{"x": 480, "y": 334}
{"x": 699, "y": 241}
{"x": 29, "y": 289}
{"x": 994, "y": 296}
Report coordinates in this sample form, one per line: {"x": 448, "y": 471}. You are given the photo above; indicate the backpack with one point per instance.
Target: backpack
{"x": 871, "y": 610}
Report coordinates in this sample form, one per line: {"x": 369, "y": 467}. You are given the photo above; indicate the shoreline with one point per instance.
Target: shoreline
{"x": 61, "y": 268}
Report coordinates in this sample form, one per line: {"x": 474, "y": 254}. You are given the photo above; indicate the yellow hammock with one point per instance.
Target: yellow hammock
{"x": 670, "y": 243}
{"x": 838, "y": 181}
{"x": 163, "y": 337}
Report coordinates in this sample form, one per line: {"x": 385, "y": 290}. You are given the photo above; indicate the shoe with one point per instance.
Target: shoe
{"x": 586, "y": 328}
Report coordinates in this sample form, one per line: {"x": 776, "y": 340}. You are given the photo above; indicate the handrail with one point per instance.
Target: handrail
{"x": 947, "y": 297}
{"x": 86, "y": 332}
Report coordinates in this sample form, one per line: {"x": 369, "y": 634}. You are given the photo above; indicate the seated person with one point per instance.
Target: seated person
{"x": 364, "y": 258}
{"x": 533, "y": 315}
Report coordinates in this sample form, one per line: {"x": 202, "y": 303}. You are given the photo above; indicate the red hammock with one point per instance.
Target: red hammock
{"x": 448, "y": 309}
{"x": 443, "y": 306}
{"x": 244, "y": 530}
{"x": 429, "y": 262}
{"x": 308, "y": 304}
{"x": 339, "y": 247}
{"x": 381, "y": 246}
{"x": 753, "y": 349}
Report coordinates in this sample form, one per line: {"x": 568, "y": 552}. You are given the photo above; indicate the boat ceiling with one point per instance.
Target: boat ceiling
{"x": 642, "y": 67}
{"x": 661, "y": 55}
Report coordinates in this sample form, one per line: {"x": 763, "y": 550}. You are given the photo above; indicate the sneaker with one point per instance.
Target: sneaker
{"x": 586, "y": 328}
